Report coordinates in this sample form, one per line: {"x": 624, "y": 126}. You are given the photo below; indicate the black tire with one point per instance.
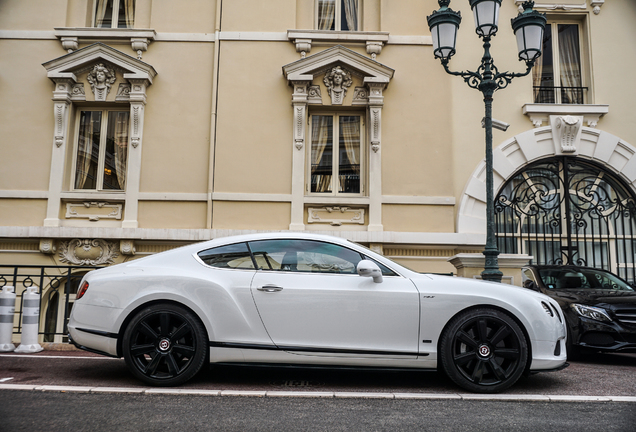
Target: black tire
{"x": 573, "y": 351}
{"x": 165, "y": 345}
{"x": 483, "y": 350}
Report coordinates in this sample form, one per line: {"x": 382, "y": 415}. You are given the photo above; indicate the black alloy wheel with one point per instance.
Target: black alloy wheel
{"x": 484, "y": 350}
{"x": 165, "y": 345}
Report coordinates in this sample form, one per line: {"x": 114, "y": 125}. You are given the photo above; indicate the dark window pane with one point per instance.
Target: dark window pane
{"x": 88, "y": 150}
{"x": 349, "y": 152}
{"x": 116, "y": 154}
{"x": 235, "y": 256}
{"x": 321, "y": 153}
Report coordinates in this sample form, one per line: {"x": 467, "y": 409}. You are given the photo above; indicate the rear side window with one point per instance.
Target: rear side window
{"x": 234, "y": 256}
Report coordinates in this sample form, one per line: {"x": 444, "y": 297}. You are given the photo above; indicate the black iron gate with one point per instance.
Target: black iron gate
{"x": 567, "y": 211}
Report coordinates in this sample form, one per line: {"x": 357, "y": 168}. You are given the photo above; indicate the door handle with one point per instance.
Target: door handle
{"x": 270, "y": 288}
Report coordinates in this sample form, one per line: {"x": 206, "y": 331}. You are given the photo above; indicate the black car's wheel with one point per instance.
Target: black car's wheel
{"x": 483, "y": 350}
{"x": 165, "y": 345}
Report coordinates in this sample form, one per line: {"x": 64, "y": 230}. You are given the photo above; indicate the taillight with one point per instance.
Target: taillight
{"x": 81, "y": 291}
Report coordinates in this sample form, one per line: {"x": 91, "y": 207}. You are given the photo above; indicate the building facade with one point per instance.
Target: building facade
{"x": 129, "y": 127}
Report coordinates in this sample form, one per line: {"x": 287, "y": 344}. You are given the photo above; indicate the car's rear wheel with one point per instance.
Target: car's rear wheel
{"x": 164, "y": 345}
{"x": 483, "y": 350}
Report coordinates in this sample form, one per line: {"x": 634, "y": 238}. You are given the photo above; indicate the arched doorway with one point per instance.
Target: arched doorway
{"x": 564, "y": 210}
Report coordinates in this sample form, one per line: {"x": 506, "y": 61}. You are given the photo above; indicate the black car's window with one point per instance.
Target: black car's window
{"x": 234, "y": 256}
{"x": 304, "y": 256}
{"x": 581, "y": 279}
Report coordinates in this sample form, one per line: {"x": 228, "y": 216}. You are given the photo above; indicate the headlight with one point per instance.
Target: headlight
{"x": 591, "y": 312}
{"x": 547, "y": 309}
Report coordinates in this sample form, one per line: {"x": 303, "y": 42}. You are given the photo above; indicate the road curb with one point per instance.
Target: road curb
{"x": 291, "y": 394}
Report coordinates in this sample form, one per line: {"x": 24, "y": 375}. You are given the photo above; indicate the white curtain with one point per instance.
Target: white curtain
{"x": 351, "y": 14}
{"x": 121, "y": 147}
{"x": 321, "y": 137}
{"x": 570, "y": 63}
{"x": 537, "y": 75}
{"x": 326, "y": 14}
{"x": 100, "y": 12}
{"x": 350, "y": 136}
{"x": 85, "y": 148}
{"x": 129, "y": 9}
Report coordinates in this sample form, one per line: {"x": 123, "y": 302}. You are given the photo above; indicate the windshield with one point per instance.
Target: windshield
{"x": 563, "y": 278}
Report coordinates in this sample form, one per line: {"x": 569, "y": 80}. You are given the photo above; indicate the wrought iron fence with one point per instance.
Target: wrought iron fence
{"x": 563, "y": 95}
{"x": 57, "y": 286}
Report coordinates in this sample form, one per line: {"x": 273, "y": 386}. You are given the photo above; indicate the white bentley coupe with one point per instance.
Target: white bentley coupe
{"x": 302, "y": 299}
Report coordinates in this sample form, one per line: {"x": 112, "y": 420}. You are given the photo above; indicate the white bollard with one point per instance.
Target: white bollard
{"x": 7, "y": 310}
{"x": 30, "y": 319}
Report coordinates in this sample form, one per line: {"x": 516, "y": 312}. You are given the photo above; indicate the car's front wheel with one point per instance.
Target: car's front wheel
{"x": 483, "y": 350}
{"x": 164, "y": 345}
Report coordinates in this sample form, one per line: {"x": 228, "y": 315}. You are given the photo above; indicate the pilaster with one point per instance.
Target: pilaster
{"x": 61, "y": 108}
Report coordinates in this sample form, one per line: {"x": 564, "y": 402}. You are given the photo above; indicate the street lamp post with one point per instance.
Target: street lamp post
{"x": 528, "y": 27}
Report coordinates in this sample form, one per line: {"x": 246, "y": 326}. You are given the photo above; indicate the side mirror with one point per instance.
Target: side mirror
{"x": 530, "y": 285}
{"x": 367, "y": 268}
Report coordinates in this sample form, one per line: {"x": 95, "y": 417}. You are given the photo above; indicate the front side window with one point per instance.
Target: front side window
{"x": 336, "y": 154}
{"x": 558, "y": 75}
{"x": 304, "y": 256}
{"x": 102, "y": 150}
{"x": 114, "y": 13}
{"x": 340, "y": 15}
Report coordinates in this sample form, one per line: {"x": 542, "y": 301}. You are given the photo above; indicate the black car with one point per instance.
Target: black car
{"x": 599, "y": 307}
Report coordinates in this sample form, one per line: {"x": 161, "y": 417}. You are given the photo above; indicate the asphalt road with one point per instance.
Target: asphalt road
{"x": 598, "y": 375}
{"x": 88, "y": 405}
{"x": 51, "y": 412}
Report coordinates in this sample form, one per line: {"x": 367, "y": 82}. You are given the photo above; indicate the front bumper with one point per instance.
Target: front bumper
{"x": 600, "y": 336}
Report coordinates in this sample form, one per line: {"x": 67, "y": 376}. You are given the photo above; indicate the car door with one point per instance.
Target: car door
{"x": 312, "y": 301}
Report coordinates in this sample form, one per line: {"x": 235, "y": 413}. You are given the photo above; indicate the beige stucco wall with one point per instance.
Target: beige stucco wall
{"x": 26, "y": 113}
{"x": 254, "y": 126}
{"x": 192, "y": 16}
{"x": 176, "y": 145}
{"x": 250, "y": 215}
{"x": 179, "y": 214}
{"x": 22, "y": 212}
{"x": 412, "y": 218}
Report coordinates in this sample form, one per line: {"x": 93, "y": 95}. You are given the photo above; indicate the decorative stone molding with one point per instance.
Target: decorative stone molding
{"x": 139, "y": 39}
{"x": 511, "y": 156}
{"x": 47, "y": 246}
{"x": 70, "y": 44}
{"x": 336, "y": 216}
{"x": 123, "y": 93}
{"x": 374, "y": 48}
{"x": 337, "y": 80}
{"x": 303, "y": 46}
{"x": 101, "y": 79}
{"x": 554, "y": 5}
{"x": 303, "y": 39}
{"x": 314, "y": 95}
{"x": 596, "y": 6}
{"x": 77, "y": 93}
{"x": 127, "y": 247}
{"x": 540, "y": 113}
{"x": 567, "y": 131}
{"x": 93, "y": 211}
{"x": 139, "y": 45}
{"x": 360, "y": 96}
{"x": 87, "y": 252}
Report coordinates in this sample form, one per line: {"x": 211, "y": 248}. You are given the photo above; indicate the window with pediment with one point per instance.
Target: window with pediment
{"x": 114, "y": 14}
{"x": 338, "y": 15}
